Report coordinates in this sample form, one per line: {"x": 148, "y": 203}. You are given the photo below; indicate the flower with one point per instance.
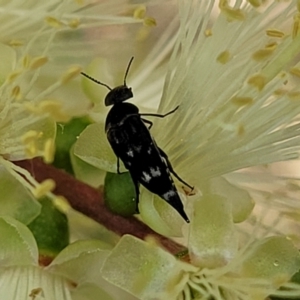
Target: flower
{"x": 235, "y": 81}
{"x": 73, "y": 274}
{"x": 30, "y": 37}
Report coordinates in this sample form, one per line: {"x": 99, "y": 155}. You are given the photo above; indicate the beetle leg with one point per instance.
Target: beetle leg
{"x": 137, "y": 192}
{"x": 164, "y": 155}
{"x": 118, "y": 165}
{"x": 147, "y": 122}
{"x": 159, "y": 115}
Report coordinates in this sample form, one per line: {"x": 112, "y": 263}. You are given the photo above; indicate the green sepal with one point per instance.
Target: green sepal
{"x": 50, "y": 229}
{"x": 119, "y": 194}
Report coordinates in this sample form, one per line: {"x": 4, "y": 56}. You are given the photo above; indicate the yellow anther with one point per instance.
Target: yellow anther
{"x": 16, "y": 43}
{"x": 54, "y": 108}
{"x": 12, "y": 76}
{"x": 242, "y": 101}
{"x": 36, "y": 292}
{"x": 74, "y": 23}
{"x": 240, "y": 130}
{"x": 280, "y": 92}
{"x": 295, "y": 96}
{"x": 16, "y": 92}
{"x": 232, "y": 14}
{"x": 70, "y": 74}
{"x": 255, "y": 3}
{"x": 31, "y": 149}
{"x": 26, "y": 61}
{"x": 275, "y": 33}
{"x": 62, "y": 204}
{"x": 80, "y": 2}
{"x": 44, "y": 188}
{"x": 271, "y": 46}
{"x": 224, "y": 57}
{"x": 208, "y": 32}
{"x": 262, "y": 54}
{"x": 139, "y": 12}
{"x": 295, "y": 72}
{"x": 32, "y": 108}
{"x": 296, "y": 25}
{"x": 143, "y": 33}
{"x": 37, "y": 62}
{"x": 259, "y": 81}
{"x": 53, "y": 22}
{"x": 49, "y": 150}
{"x": 31, "y": 135}
{"x": 150, "y": 22}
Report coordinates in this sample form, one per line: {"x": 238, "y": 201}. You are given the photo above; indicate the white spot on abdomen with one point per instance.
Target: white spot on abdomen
{"x": 168, "y": 195}
{"x": 146, "y": 177}
{"x": 155, "y": 172}
{"x": 129, "y": 153}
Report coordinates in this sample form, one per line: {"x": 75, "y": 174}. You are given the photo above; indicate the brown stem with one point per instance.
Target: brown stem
{"x": 89, "y": 201}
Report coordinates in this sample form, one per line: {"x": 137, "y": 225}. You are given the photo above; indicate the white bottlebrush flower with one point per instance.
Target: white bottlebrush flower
{"x": 32, "y": 99}
{"x": 73, "y": 274}
{"x": 235, "y": 81}
{"x": 229, "y": 77}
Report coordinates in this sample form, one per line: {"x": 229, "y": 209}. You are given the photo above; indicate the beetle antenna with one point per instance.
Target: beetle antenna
{"x": 127, "y": 70}
{"x": 93, "y": 79}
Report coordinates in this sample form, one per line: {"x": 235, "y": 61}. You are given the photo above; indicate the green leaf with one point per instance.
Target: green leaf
{"x": 274, "y": 258}
{"x": 16, "y": 201}
{"x": 144, "y": 270}
{"x": 18, "y": 246}
{"x": 92, "y": 147}
{"x": 213, "y": 240}
{"x": 159, "y": 215}
{"x": 85, "y": 172}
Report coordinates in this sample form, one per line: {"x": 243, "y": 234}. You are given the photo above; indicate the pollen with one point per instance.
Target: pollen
{"x": 49, "y": 150}
{"x": 224, "y": 57}
{"x": 150, "y": 22}
{"x": 54, "y": 108}
{"x": 240, "y": 130}
{"x": 255, "y": 3}
{"x": 30, "y": 136}
{"x": 208, "y": 32}
{"x": 139, "y": 12}
{"x": 37, "y": 62}
{"x": 259, "y": 81}
{"x": 263, "y": 54}
{"x": 44, "y": 188}
{"x": 29, "y": 140}
{"x": 16, "y": 92}
{"x": 295, "y": 72}
{"x": 31, "y": 150}
{"x": 294, "y": 96}
{"x": 26, "y": 61}
{"x": 62, "y": 204}
{"x": 296, "y": 25}
{"x": 12, "y": 76}
{"x": 74, "y": 23}
{"x": 242, "y": 101}
{"x": 53, "y": 22}
{"x": 70, "y": 74}
{"x": 275, "y": 33}
{"x": 16, "y": 43}
{"x": 231, "y": 13}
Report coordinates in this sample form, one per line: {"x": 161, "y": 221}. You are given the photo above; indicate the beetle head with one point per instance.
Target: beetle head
{"x": 117, "y": 95}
